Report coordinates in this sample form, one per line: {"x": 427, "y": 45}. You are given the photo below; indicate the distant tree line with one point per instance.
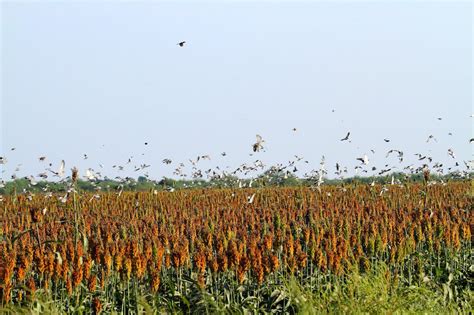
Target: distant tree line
{"x": 267, "y": 179}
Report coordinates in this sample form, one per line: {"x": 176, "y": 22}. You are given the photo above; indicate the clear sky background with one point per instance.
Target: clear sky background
{"x": 103, "y": 78}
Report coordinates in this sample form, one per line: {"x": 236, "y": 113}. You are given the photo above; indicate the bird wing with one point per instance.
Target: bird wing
{"x": 346, "y": 137}
{"x": 61, "y": 168}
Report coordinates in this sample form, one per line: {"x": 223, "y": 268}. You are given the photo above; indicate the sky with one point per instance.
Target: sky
{"x": 103, "y": 78}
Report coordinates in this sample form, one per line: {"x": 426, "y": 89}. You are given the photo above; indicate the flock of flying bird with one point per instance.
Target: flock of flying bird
{"x": 257, "y": 167}
{"x": 246, "y": 169}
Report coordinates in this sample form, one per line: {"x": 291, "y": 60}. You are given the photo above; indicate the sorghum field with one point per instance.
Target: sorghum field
{"x": 344, "y": 249}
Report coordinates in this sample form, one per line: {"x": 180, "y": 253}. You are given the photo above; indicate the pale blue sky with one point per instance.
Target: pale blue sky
{"x": 77, "y": 76}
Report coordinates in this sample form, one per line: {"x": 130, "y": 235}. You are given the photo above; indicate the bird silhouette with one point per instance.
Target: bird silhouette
{"x": 346, "y": 137}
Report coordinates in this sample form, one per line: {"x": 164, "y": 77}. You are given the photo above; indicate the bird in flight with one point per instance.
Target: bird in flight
{"x": 250, "y": 199}
{"x": 346, "y": 137}
{"x": 400, "y": 154}
{"x": 90, "y": 175}
{"x": 201, "y": 157}
{"x": 451, "y": 153}
{"x": 364, "y": 159}
{"x": 257, "y": 146}
{"x": 61, "y": 171}
{"x": 431, "y": 137}
{"x": 181, "y": 44}
{"x": 386, "y": 140}
{"x": 472, "y": 140}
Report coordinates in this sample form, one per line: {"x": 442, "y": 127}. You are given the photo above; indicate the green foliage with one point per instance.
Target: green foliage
{"x": 269, "y": 178}
{"x": 372, "y": 292}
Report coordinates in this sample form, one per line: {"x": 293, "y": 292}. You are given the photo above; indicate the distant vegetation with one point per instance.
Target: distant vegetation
{"x": 267, "y": 179}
